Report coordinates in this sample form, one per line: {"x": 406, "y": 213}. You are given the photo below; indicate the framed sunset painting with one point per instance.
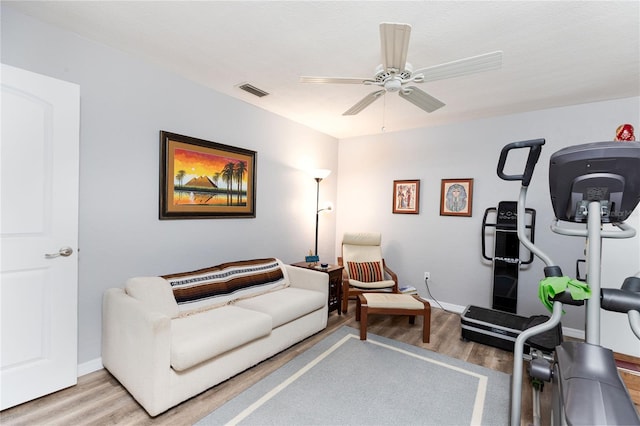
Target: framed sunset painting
{"x": 200, "y": 179}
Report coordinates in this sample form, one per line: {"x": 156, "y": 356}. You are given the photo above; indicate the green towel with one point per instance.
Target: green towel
{"x": 551, "y": 286}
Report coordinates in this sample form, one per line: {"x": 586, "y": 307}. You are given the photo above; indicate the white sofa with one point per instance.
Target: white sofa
{"x": 169, "y": 338}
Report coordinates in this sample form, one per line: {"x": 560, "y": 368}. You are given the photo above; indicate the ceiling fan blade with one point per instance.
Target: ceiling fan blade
{"x": 365, "y": 102}
{"x": 336, "y": 80}
{"x": 471, "y": 65}
{"x": 394, "y": 43}
{"x": 420, "y": 98}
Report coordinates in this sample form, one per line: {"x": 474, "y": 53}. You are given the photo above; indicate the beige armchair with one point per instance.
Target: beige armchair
{"x": 364, "y": 268}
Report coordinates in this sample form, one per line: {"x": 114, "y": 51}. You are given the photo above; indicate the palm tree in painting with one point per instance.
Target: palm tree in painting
{"x": 241, "y": 168}
{"x": 181, "y": 174}
{"x": 227, "y": 176}
{"x": 216, "y": 178}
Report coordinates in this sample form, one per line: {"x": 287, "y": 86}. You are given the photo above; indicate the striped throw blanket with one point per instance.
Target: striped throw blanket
{"x": 223, "y": 284}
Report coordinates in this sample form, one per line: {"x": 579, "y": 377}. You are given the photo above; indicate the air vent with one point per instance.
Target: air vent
{"x": 253, "y": 90}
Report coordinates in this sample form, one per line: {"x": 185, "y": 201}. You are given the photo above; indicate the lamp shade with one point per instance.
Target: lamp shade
{"x": 320, "y": 173}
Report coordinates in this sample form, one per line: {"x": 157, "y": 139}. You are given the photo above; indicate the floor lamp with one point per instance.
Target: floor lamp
{"x": 318, "y": 175}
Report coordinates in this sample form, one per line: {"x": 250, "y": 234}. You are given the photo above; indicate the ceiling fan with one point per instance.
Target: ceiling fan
{"x": 395, "y": 73}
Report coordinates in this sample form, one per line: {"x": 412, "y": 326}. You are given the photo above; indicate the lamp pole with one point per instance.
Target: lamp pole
{"x": 318, "y": 175}
{"x": 318, "y": 179}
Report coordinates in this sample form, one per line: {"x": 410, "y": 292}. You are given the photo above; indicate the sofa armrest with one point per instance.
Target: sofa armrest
{"x": 136, "y": 347}
{"x": 308, "y": 279}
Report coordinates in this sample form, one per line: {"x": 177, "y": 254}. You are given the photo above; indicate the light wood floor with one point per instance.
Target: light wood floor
{"x": 98, "y": 398}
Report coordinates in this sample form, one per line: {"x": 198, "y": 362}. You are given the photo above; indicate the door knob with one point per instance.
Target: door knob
{"x": 64, "y": 252}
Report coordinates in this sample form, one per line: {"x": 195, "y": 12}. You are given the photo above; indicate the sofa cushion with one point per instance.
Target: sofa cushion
{"x": 366, "y": 272}
{"x": 285, "y": 305}
{"x": 155, "y": 293}
{"x": 197, "y": 338}
{"x": 219, "y": 285}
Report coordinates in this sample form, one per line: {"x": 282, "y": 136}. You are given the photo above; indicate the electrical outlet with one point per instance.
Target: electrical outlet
{"x": 427, "y": 275}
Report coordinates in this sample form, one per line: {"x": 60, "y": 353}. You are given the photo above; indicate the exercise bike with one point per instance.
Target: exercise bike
{"x": 590, "y": 184}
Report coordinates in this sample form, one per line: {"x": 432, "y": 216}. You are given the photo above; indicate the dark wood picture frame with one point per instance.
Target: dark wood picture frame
{"x": 200, "y": 179}
{"x": 456, "y": 197}
{"x": 406, "y": 196}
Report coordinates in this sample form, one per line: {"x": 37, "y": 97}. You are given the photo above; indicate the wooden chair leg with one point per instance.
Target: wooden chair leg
{"x": 426, "y": 323}
{"x": 363, "y": 309}
{"x": 345, "y": 297}
{"x": 412, "y": 319}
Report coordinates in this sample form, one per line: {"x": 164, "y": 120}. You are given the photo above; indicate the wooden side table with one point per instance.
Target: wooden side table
{"x": 335, "y": 283}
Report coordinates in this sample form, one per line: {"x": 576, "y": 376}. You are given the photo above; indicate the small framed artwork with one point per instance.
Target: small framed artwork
{"x": 406, "y": 196}
{"x": 456, "y": 196}
{"x": 201, "y": 179}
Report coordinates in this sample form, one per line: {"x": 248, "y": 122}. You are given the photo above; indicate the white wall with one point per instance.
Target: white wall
{"x": 620, "y": 259}
{"x": 450, "y": 247}
{"x": 125, "y": 102}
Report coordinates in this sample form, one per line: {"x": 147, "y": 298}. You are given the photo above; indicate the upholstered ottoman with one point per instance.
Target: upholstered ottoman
{"x": 393, "y": 304}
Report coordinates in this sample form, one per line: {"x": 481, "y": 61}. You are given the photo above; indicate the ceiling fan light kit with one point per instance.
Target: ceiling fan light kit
{"x": 395, "y": 73}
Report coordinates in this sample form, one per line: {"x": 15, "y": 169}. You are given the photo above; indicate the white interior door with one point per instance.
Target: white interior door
{"x": 39, "y": 155}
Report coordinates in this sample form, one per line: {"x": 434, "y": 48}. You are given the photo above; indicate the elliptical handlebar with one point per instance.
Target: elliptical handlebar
{"x": 623, "y": 230}
{"x": 534, "y": 146}
{"x": 551, "y": 269}
{"x": 619, "y": 300}
{"x": 625, "y": 300}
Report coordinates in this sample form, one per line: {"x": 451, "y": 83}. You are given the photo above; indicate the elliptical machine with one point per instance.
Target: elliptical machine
{"x": 590, "y": 184}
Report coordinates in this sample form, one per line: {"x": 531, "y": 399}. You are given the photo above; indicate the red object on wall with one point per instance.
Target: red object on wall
{"x": 624, "y": 132}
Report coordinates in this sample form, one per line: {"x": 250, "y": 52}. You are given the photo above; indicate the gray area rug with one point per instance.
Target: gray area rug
{"x": 344, "y": 381}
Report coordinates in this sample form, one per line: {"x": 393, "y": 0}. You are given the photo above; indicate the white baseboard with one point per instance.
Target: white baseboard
{"x": 573, "y": 332}
{"x": 90, "y": 366}
{"x": 446, "y": 306}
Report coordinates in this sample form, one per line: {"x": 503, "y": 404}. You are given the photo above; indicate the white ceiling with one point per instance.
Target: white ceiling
{"x": 555, "y": 53}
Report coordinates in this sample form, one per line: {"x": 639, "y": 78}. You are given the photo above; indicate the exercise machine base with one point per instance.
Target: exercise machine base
{"x": 587, "y": 380}
{"x": 500, "y": 329}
